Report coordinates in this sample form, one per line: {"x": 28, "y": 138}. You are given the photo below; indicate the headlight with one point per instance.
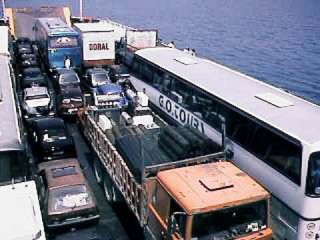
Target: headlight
{"x": 66, "y": 101}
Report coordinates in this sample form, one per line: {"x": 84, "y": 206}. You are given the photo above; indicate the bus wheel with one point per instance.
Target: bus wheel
{"x": 97, "y": 170}
{"x": 108, "y": 189}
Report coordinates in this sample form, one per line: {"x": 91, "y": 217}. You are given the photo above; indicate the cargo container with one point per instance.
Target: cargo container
{"x": 97, "y": 43}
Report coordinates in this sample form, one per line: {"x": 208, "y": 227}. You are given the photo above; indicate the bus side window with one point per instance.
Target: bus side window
{"x": 278, "y": 152}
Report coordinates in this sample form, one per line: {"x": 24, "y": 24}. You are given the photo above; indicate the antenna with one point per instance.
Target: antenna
{"x": 81, "y": 9}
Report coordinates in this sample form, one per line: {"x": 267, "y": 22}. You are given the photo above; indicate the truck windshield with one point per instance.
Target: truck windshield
{"x": 12, "y": 165}
{"x": 63, "y": 42}
{"x": 230, "y": 223}
{"x": 313, "y": 178}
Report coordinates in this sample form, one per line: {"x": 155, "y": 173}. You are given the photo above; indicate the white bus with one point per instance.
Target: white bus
{"x": 13, "y": 161}
{"x": 272, "y": 135}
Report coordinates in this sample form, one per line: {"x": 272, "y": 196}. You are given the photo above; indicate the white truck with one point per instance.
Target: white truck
{"x": 97, "y": 42}
{"x": 20, "y": 212}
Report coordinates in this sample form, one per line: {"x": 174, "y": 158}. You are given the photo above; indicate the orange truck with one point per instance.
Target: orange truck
{"x": 198, "y": 198}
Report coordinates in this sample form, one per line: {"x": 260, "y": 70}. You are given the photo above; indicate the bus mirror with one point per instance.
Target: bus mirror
{"x": 173, "y": 225}
{"x": 228, "y": 149}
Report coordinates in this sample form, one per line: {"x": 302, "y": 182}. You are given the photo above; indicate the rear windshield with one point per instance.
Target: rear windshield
{"x": 69, "y": 197}
{"x": 37, "y": 97}
{"x": 99, "y": 77}
{"x": 63, "y": 42}
{"x": 51, "y": 135}
{"x": 69, "y": 78}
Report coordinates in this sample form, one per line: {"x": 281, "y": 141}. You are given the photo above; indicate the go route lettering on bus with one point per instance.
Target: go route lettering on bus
{"x": 180, "y": 114}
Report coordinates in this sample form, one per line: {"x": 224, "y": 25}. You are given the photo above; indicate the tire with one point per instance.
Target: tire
{"x": 97, "y": 170}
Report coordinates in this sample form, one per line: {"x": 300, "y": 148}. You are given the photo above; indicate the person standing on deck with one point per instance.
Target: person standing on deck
{"x": 67, "y": 62}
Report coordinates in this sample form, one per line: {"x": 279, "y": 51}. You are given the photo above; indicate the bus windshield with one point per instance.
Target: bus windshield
{"x": 63, "y": 42}
{"x": 230, "y": 223}
{"x": 313, "y": 178}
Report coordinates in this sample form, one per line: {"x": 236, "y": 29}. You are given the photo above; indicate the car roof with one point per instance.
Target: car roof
{"x": 55, "y": 180}
{"x": 209, "y": 187}
{"x": 45, "y": 123}
{"x": 35, "y": 91}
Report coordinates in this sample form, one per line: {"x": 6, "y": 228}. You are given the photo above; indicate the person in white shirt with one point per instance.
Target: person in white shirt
{"x": 67, "y": 62}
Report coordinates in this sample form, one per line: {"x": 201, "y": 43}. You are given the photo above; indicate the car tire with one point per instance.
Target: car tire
{"x": 97, "y": 170}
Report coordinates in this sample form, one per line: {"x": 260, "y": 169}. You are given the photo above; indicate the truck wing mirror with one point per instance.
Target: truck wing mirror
{"x": 173, "y": 225}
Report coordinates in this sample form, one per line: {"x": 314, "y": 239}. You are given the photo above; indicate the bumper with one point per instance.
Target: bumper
{"x": 73, "y": 221}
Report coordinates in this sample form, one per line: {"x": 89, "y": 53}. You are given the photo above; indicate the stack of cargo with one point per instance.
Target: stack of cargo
{"x": 140, "y": 151}
{"x": 185, "y": 142}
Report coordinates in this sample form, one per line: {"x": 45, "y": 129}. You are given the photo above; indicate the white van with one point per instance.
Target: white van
{"x": 20, "y": 217}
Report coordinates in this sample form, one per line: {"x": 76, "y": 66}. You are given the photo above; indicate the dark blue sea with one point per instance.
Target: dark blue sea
{"x": 277, "y": 41}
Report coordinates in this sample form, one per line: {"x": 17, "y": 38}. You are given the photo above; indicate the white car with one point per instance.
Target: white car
{"x": 37, "y": 102}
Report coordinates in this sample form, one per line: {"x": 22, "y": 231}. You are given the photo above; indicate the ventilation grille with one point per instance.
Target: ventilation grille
{"x": 274, "y": 100}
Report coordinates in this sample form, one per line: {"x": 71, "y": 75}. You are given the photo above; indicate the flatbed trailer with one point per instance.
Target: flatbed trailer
{"x": 214, "y": 178}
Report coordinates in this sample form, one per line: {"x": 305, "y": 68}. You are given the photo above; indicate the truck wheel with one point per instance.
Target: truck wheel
{"x": 108, "y": 189}
{"x": 97, "y": 170}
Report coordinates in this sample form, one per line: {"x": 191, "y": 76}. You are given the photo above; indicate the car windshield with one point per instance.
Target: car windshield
{"x": 69, "y": 78}
{"x": 235, "y": 221}
{"x": 37, "y": 97}
{"x": 313, "y": 178}
{"x": 63, "y": 42}
{"x": 69, "y": 197}
{"x": 53, "y": 134}
{"x": 100, "y": 77}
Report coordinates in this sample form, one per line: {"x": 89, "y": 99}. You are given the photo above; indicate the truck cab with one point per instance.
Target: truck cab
{"x": 208, "y": 201}
{"x": 20, "y": 212}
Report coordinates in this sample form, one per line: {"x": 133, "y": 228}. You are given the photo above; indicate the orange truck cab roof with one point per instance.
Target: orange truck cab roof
{"x": 209, "y": 187}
